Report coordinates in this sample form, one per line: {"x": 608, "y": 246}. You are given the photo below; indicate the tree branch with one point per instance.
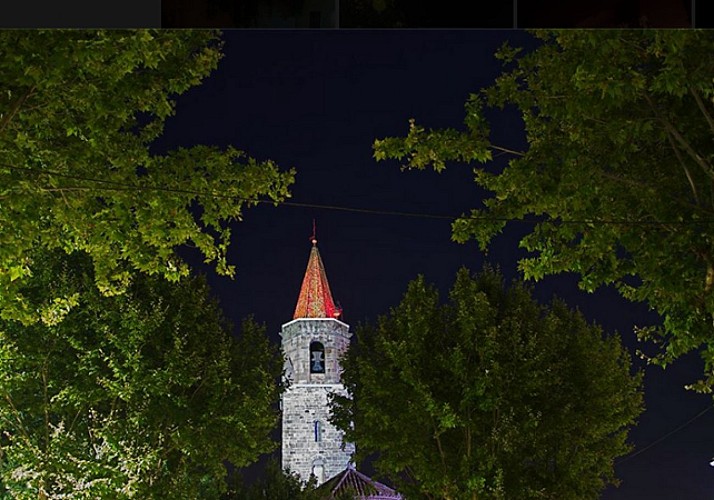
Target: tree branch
{"x": 46, "y": 404}
{"x": 468, "y": 441}
{"x": 442, "y": 454}
{"x": 506, "y": 150}
{"x": 16, "y": 105}
{"x": 74, "y": 421}
{"x": 686, "y": 170}
{"x": 680, "y": 139}
{"x": 640, "y": 184}
{"x": 702, "y": 108}
{"x": 23, "y": 430}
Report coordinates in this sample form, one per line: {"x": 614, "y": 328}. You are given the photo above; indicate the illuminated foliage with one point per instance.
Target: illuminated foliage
{"x": 489, "y": 396}
{"x": 618, "y": 173}
{"x": 140, "y": 395}
{"x": 79, "y": 111}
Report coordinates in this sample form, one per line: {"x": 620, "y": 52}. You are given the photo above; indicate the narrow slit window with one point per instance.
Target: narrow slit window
{"x": 318, "y": 431}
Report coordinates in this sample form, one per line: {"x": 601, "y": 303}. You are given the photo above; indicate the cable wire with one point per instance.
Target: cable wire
{"x": 119, "y": 186}
{"x": 659, "y": 440}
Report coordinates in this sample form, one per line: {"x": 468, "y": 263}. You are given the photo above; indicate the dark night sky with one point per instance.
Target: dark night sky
{"x": 315, "y": 100}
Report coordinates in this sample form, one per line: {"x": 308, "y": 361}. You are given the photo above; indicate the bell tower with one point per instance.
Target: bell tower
{"x": 312, "y": 344}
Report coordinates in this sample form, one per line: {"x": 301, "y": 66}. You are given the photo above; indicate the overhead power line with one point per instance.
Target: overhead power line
{"x": 659, "y": 440}
{"x": 119, "y": 186}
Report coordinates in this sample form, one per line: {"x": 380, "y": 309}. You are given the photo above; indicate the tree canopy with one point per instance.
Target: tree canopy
{"x": 139, "y": 395}
{"x": 490, "y": 395}
{"x": 618, "y": 176}
{"x": 274, "y": 484}
{"x": 79, "y": 111}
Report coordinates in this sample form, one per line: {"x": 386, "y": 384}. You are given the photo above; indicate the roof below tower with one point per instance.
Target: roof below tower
{"x": 315, "y": 299}
{"x": 362, "y": 487}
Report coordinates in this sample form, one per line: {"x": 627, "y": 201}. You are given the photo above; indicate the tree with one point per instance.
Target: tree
{"x": 274, "y": 484}
{"x": 489, "y": 396}
{"x": 618, "y": 178}
{"x": 139, "y": 395}
{"x": 79, "y": 111}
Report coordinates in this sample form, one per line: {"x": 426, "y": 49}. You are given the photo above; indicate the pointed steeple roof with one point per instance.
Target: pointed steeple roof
{"x": 315, "y": 300}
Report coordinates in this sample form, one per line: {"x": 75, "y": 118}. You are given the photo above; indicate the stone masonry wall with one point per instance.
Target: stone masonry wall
{"x": 305, "y": 401}
{"x": 302, "y": 406}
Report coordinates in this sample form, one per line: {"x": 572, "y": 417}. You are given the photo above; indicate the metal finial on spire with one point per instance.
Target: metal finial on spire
{"x": 313, "y": 238}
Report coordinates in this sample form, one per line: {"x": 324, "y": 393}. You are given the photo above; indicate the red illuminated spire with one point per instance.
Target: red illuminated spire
{"x": 315, "y": 300}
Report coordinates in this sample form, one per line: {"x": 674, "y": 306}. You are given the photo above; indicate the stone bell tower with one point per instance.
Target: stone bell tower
{"x": 312, "y": 344}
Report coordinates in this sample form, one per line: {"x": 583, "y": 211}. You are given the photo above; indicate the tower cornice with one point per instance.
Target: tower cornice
{"x": 313, "y": 326}
{"x": 329, "y": 320}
